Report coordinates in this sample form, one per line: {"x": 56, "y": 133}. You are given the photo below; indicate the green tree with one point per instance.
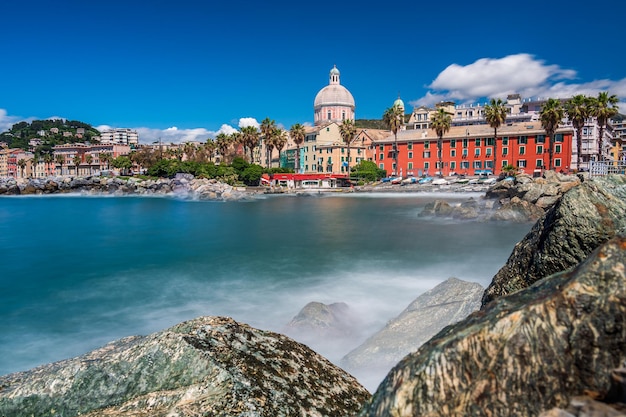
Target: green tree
{"x": 210, "y": 146}
{"x": 222, "y": 142}
{"x": 268, "y": 128}
{"x": 297, "y": 133}
{"x": 577, "y": 109}
{"x": 279, "y": 142}
{"x": 89, "y": 160}
{"x": 393, "y": 119}
{"x": 250, "y": 139}
{"x": 35, "y": 161}
{"x": 123, "y": 163}
{"x": 603, "y": 108}
{"x": 551, "y": 115}
{"x": 48, "y": 158}
{"x": 440, "y": 123}
{"x": 22, "y": 164}
{"x": 495, "y": 115}
{"x": 76, "y": 160}
{"x": 348, "y": 132}
{"x": 60, "y": 160}
{"x": 368, "y": 171}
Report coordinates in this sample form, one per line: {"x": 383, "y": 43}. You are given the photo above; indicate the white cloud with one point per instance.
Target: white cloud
{"x": 521, "y": 73}
{"x": 173, "y": 135}
{"x": 248, "y": 121}
{"x": 226, "y": 129}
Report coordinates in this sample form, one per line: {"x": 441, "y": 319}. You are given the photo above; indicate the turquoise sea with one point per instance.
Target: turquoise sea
{"x": 77, "y": 272}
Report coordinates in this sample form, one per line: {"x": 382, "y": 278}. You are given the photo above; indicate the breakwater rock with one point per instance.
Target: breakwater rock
{"x": 521, "y": 199}
{"x": 524, "y": 353}
{"x": 447, "y": 303}
{"x": 585, "y": 217}
{"x": 182, "y": 186}
{"x": 208, "y": 366}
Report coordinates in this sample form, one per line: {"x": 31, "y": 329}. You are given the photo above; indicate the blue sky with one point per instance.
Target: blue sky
{"x": 186, "y": 69}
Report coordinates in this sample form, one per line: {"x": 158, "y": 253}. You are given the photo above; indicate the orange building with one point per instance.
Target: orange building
{"x": 470, "y": 150}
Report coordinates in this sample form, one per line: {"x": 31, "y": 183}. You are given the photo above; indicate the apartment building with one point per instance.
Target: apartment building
{"x": 120, "y": 137}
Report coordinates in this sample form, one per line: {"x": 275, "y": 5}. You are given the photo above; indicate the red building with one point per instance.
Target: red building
{"x": 470, "y": 150}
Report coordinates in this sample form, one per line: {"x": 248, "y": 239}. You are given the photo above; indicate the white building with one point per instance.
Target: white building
{"x": 119, "y": 137}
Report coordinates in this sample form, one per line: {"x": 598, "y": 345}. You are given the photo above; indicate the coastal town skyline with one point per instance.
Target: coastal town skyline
{"x": 186, "y": 71}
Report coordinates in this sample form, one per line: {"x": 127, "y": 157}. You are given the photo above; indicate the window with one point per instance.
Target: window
{"x": 505, "y": 140}
{"x": 453, "y": 165}
{"x": 489, "y": 141}
{"x": 557, "y": 148}
{"x": 452, "y": 153}
{"x": 343, "y": 150}
{"x": 477, "y": 164}
{"x": 409, "y": 146}
{"x": 505, "y": 163}
{"x": 539, "y": 163}
{"x": 381, "y": 166}
{"x": 541, "y": 139}
{"x": 477, "y": 141}
{"x": 426, "y": 165}
{"x": 557, "y": 162}
{"x": 477, "y": 152}
{"x": 426, "y": 154}
{"x": 426, "y": 145}
{"x": 453, "y": 143}
{"x": 464, "y": 154}
{"x": 522, "y": 150}
{"x": 328, "y": 114}
{"x": 410, "y": 165}
{"x": 505, "y": 151}
{"x": 410, "y": 155}
{"x": 343, "y": 117}
{"x": 558, "y": 137}
{"x": 465, "y": 143}
{"x": 380, "y": 157}
{"x": 488, "y": 164}
{"x": 522, "y": 140}
{"x": 521, "y": 163}
{"x": 382, "y": 147}
{"x": 488, "y": 151}
{"x": 464, "y": 164}
{"x": 539, "y": 149}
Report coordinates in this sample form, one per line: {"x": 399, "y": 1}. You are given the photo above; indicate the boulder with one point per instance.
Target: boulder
{"x": 447, "y": 303}
{"x": 524, "y": 353}
{"x": 210, "y": 366}
{"x": 585, "y": 217}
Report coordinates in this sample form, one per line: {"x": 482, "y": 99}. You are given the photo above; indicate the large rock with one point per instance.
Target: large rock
{"x": 449, "y": 302}
{"x": 210, "y": 366}
{"x": 523, "y": 354}
{"x": 585, "y": 217}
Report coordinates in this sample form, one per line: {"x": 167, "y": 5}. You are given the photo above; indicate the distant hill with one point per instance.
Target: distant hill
{"x": 49, "y": 132}
{"x": 375, "y": 123}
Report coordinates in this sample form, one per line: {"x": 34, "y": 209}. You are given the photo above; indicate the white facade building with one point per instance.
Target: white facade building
{"x": 119, "y": 137}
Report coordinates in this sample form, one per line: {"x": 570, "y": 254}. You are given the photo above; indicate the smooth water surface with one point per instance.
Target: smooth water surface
{"x": 78, "y": 272}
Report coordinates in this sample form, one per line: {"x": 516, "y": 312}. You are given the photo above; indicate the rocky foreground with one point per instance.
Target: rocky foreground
{"x": 549, "y": 340}
{"x": 183, "y": 186}
{"x": 210, "y": 366}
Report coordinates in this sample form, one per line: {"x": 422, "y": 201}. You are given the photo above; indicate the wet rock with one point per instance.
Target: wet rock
{"x": 210, "y": 366}
{"x": 524, "y": 353}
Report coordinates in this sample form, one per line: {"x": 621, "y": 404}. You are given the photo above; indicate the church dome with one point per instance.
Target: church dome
{"x": 334, "y": 95}
{"x": 399, "y": 103}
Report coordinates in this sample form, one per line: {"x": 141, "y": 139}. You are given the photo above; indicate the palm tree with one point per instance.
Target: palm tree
{"x": 603, "y": 108}
{"x": 48, "y": 158}
{"x": 35, "y": 161}
{"x": 250, "y": 139}
{"x": 279, "y": 142}
{"x": 222, "y": 142}
{"x": 297, "y": 133}
{"x": 577, "y": 109}
{"x": 60, "y": 159}
{"x": 22, "y": 164}
{"x": 393, "y": 119}
{"x": 551, "y": 115}
{"x": 76, "y": 160}
{"x": 267, "y": 130}
{"x": 89, "y": 160}
{"x": 348, "y": 132}
{"x": 106, "y": 158}
{"x": 495, "y": 115}
{"x": 441, "y": 122}
{"x": 210, "y": 147}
